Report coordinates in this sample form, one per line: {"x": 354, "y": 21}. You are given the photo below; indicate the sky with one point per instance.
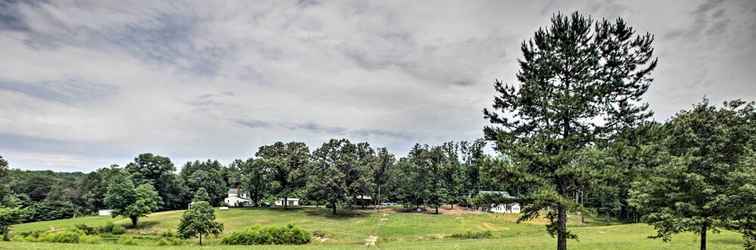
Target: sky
{"x": 87, "y": 84}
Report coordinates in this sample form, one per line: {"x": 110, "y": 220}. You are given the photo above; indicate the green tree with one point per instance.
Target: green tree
{"x": 131, "y": 202}
{"x": 708, "y": 150}
{"x": 4, "y": 191}
{"x": 255, "y": 179}
{"x": 579, "y": 81}
{"x": 201, "y": 195}
{"x": 9, "y": 216}
{"x": 337, "y": 172}
{"x": 207, "y": 175}
{"x": 159, "y": 172}
{"x": 94, "y": 185}
{"x": 380, "y": 172}
{"x": 471, "y": 154}
{"x": 199, "y": 220}
{"x": 287, "y": 164}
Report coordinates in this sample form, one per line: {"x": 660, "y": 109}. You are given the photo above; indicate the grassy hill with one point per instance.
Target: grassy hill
{"x": 394, "y": 230}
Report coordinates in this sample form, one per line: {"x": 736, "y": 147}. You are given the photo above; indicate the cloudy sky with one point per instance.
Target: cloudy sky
{"x": 84, "y": 84}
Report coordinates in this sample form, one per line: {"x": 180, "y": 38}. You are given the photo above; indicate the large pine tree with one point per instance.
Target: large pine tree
{"x": 579, "y": 81}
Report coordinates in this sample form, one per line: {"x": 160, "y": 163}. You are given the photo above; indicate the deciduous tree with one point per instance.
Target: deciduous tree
{"x": 199, "y": 220}
{"x": 131, "y": 202}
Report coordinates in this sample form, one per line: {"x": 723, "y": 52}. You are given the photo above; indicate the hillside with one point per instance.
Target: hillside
{"x": 394, "y": 230}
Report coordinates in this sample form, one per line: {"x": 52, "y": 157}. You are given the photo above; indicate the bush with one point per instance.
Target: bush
{"x": 65, "y": 236}
{"x": 50, "y": 210}
{"x": 87, "y": 229}
{"x": 117, "y": 229}
{"x": 268, "y": 235}
{"x": 111, "y": 228}
{"x": 168, "y": 238}
{"x": 473, "y": 235}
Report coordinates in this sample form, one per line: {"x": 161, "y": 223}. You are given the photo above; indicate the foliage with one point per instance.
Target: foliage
{"x": 201, "y": 195}
{"x": 159, "y": 172}
{"x": 707, "y": 173}
{"x": 207, "y": 175}
{"x": 111, "y": 228}
{"x": 131, "y": 202}
{"x": 199, "y": 219}
{"x": 50, "y": 210}
{"x": 9, "y": 216}
{"x": 255, "y": 179}
{"x": 580, "y": 81}
{"x": 268, "y": 235}
{"x": 337, "y": 172}
{"x": 287, "y": 164}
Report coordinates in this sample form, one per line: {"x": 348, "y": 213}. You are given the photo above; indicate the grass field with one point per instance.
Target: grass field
{"x": 394, "y": 230}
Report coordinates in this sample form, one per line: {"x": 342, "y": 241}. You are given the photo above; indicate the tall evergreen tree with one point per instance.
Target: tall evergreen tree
{"x": 580, "y": 81}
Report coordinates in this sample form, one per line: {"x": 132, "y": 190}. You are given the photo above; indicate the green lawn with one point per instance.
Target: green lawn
{"x": 394, "y": 230}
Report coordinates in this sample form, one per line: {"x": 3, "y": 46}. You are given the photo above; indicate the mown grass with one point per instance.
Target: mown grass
{"x": 395, "y": 230}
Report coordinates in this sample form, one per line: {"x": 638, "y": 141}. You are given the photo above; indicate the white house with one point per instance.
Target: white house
{"x": 105, "y": 212}
{"x": 291, "y": 202}
{"x": 502, "y": 208}
{"x": 236, "y": 199}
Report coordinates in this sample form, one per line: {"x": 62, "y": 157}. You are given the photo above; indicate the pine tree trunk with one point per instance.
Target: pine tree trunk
{"x": 333, "y": 208}
{"x": 200, "y": 239}
{"x": 704, "y": 228}
{"x": 286, "y": 202}
{"x": 561, "y": 228}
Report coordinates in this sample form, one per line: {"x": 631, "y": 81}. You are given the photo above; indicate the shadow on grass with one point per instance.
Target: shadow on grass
{"x": 728, "y": 241}
{"x": 340, "y": 213}
{"x": 141, "y": 225}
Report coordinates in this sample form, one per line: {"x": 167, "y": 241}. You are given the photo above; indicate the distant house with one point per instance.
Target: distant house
{"x": 291, "y": 202}
{"x": 236, "y": 198}
{"x": 105, "y": 212}
{"x": 500, "y": 202}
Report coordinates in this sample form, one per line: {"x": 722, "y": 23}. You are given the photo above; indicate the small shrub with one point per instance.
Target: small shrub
{"x": 107, "y": 228}
{"x": 127, "y": 240}
{"x": 473, "y": 235}
{"x": 118, "y": 229}
{"x": 268, "y": 235}
{"x": 65, "y": 236}
{"x": 87, "y": 229}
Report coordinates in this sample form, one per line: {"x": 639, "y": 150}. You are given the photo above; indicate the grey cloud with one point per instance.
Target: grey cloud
{"x": 710, "y": 11}
{"x": 68, "y": 91}
{"x": 10, "y": 18}
{"x": 323, "y": 129}
{"x": 21, "y": 143}
{"x": 254, "y": 123}
{"x": 163, "y": 36}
